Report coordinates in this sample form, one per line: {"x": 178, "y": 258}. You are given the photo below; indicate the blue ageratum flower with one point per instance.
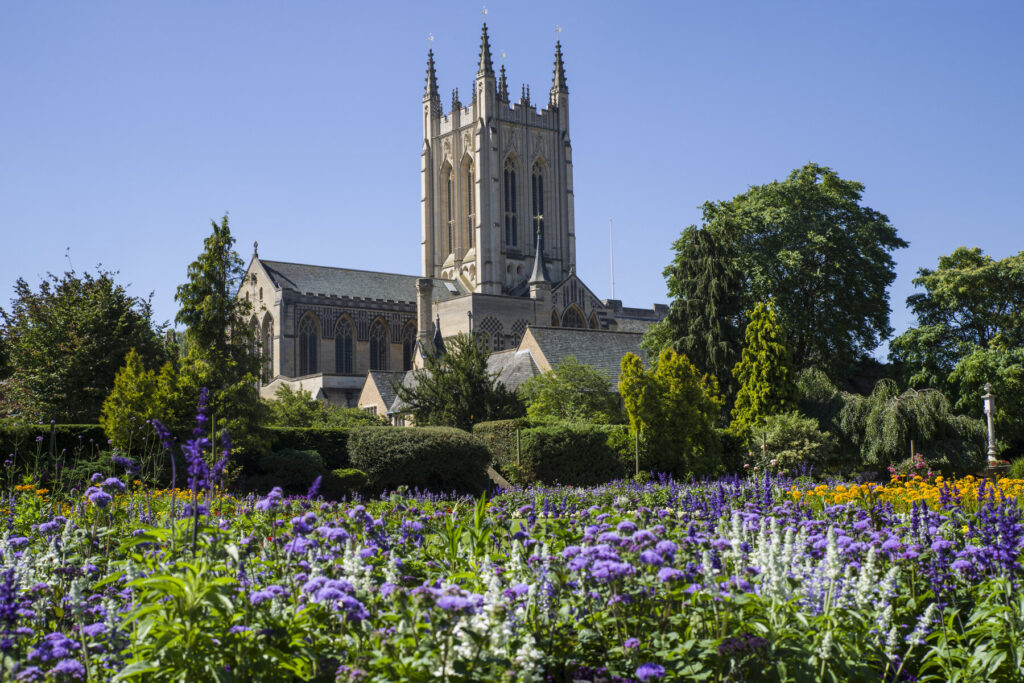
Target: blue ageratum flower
{"x": 650, "y": 672}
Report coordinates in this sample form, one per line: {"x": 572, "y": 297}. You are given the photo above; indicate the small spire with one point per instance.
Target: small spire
{"x": 503, "y": 86}
{"x": 437, "y": 339}
{"x": 486, "y": 65}
{"x": 455, "y": 100}
{"x": 430, "y": 90}
{"x": 540, "y": 270}
{"x": 558, "y": 84}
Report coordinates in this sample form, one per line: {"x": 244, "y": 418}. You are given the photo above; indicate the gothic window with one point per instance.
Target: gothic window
{"x": 469, "y": 202}
{"x": 573, "y": 318}
{"x": 518, "y": 330}
{"x": 344, "y": 347}
{"x": 449, "y": 216}
{"x": 379, "y": 346}
{"x": 261, "y": 294}
{"x": 511, "y": 218}
{"x": 268, "y": 347}
{"x": 537, "y": 198}
{"x": 594, "y": 324}
{"x": 492, "y": 334}
{"x": 309, "y": 343}
{"x": 408, "y": 346}
{"x": 554, "y": 318}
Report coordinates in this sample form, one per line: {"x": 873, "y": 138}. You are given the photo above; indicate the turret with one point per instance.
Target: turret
{"x": 560, "y": 90}
{"x": 540, "y": 283}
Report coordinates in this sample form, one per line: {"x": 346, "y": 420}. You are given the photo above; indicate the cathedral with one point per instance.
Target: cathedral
{"x": 498, "y": 245}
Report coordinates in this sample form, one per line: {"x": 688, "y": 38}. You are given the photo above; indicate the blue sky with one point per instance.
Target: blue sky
{"x": 127, "y": 126}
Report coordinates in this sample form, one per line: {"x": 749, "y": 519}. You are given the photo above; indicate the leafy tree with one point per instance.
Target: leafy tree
{"x": 676, "y": 409}
{"x": 809, "y": 244}
{"x": 1003, "y": 368}
{"x": 789, "y": 442}
{"x": 571, "y": 392}
{"x": 132, "y": 400}
{"x": 219, "y": 346}
{"x": 454, "y": 388}
{"x": 298, "y": 408}
{"x": 764, "y": 374}
{"x": 704, "y": 319}
{"x": 66, "y": 342}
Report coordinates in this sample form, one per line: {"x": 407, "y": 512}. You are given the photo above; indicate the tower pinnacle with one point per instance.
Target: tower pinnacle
{"x": 430, "y": 89}
{"x": 558, "y": 84}
{"x": 503, "y": 86}
{"x": 486, "y": 65}
{"x": 540, "y": 270}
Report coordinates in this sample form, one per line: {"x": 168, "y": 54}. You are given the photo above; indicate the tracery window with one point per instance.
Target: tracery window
{"x": 511, "y": 217}
{"x": 470, "y": 217}
{"x": 554, "y": 318}
{"x": 537, "y": 198}
{"x": 309, "y": 341}
{"x": 408, "y": 346}
{"x": 572, "y": 318}
{"x": 379, "y": 346}
{"x": 344, "y": 345}
{"x": 450, "y": 209}
{"x": 268, "y": 347}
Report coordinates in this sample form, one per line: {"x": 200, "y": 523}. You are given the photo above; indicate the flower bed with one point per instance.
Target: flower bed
{"x": 751, "y": 579}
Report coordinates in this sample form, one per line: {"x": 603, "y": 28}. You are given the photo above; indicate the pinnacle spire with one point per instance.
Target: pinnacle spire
{"x": 456, "y": 104}
{"x": 486, "y": 65}
{"x": 430, "y": 90}
{"x": 558, "y": 82}
{"x": 503, "y": 86}
{"x": 540, "y": 270}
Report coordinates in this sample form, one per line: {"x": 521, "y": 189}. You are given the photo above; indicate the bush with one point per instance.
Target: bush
{"x": 434, "y": 458}
{"x": 330, "y": 443}
{"x": 291, "y": 469}
{"x": 1016, "y": 470}
{"x": 577, "y": 455}
{"x": 792, "y": 441}
{"x": 342, "y": 482}
{"x": 60, "y": 443}
{"x": 500, "y": 437}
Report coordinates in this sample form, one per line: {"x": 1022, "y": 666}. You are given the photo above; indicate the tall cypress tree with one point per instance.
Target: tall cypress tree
{"x": 764, "y": 373}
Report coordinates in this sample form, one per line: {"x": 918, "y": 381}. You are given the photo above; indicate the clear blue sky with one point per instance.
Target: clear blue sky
{"x": 127, "y": 126}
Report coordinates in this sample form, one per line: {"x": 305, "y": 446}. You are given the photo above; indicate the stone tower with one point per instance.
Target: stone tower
{"x": 493, "y": 174}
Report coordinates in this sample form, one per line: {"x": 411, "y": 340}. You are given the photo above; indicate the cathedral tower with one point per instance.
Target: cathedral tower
{"x": 493, "y": 174}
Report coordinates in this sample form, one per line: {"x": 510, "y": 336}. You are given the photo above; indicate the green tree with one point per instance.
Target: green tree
{"x": 455, "y": 389}
{"x": 791, "y": 441}
{"x": 298, "y": 408}
{"x": 219, "y": 347}
{"x": 707, "y": 307}
{"x": 571, "y": 392}
{"x": 675, "y": 408}
{"x": 66, "y": 342}
{"x": 1003, "y": 368}
{"x": 764, "y": 373}
{"x": 809, "y": 244}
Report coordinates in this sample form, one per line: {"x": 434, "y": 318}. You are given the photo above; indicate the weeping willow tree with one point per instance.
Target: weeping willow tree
{"x": 885, "y": 424}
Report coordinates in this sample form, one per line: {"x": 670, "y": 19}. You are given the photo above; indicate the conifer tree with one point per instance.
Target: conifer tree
{"x": 764, "y": 373}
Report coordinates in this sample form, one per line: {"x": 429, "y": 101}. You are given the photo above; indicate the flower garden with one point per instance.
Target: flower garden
{"x": 732, "y": 580}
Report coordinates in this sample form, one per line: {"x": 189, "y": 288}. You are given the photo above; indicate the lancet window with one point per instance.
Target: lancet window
{"x": 511, "y": 216}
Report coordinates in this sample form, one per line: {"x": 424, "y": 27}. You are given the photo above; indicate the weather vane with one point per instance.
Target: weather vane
{"x": 503, "y": 58}
{"x": 558, "y": 29}
{"x": 484, "y": 12}
{"x": 430, "y": 40}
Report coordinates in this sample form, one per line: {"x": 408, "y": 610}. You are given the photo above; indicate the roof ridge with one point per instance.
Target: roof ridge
{"x": 355, "y": 270}
{"x": 582, "y": 329}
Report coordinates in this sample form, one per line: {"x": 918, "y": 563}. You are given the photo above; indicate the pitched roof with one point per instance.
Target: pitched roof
{"x": 347, "y": 282}
{"x": 513, "y": 367}
{"x": 601, "y": 349}
{"x": 385, "y": 383}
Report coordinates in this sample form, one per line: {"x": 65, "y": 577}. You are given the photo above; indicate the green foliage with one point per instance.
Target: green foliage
{"x": 65, "y": 342}
{"x": 792, "y": 441}
{"x": 575, "y": 455}
{"x": 330, "y": 443}
{"x": 676, "y": 409}
{"x": 707, "y": 307}
{"x": 138, "y": 395}
{"x": 44, "y": 450}
{"x": 433, "y": 458}
{"x": 1003, "y": 368}
{"x": 764, "y": 374}
{"x": 571, "y": 392}
{"x": 291, "y": 469}
{"x": 343, "y": 482}
{"x": 455, "y": 389}
{"x": 219, "y": 353}
{"x": 883, "y": 425}
{"x": 298, "y": 408}
{"x": 818, "y": 397}
{"x": 809, "y": 244}
{"x": 500, "y": 437}
{"x": 1016, "y": 470}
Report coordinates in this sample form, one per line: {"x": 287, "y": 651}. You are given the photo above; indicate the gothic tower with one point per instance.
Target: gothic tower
{"x": 493, "y": 174}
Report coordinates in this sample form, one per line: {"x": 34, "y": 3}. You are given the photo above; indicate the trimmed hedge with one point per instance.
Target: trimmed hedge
{"x": 342, "y": 482}
{"x": 439, "y": 459}
{"x": 330, "y": 443}
{"x": 500, "y": 437}
{"x": 577, "y": 455}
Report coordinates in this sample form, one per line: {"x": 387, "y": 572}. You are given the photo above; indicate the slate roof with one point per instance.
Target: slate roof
{"x": 385, "y": 381}
{"x": 347, "y": 282}
{"x": 408, "y": 379}
{"x": 601, "y": 349}
{"x": 512, "y": 367}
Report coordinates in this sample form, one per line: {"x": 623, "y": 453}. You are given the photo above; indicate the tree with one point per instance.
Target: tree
{"x": 970, "y": 332}
{"x": 764, "y": 373}
{"x": 571, "y": 392}
{"x": 708, "y": 304}
{"x": 454, "y": 388}
{"x": 825, "y": 259}
{"x": 219, "y": 353}
{"x": 66, "y": 342}
{"x": 676, "y": 409}
{"x": 298, "y": 408}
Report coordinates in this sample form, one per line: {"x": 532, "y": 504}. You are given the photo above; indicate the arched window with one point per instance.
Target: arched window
{"x": 537, "y": 198}
{"x": 268, "y": 347}
{"x": 511, "y": 217}
{"x": 344, "y": 345}
{"x": 309, "y": 345}
{"x": 554, "y": 318}
{"x": 470, "y": 216}
{"x": 408, "y": 345}
{"x": 572, "y": 318}
{"x": 379, "y": 346}
{"x": 449, "y": 216}
{"x": 594, "y": 324}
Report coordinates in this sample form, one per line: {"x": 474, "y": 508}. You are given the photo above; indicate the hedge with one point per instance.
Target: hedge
{"x": 340, "y": 483}
{"x": 577, "y": 455}
{"x": 330, "y": 443}
{"x": 500, "y": 437}
{"x": 439, "y": 459}
{"x": 68, "y": 443}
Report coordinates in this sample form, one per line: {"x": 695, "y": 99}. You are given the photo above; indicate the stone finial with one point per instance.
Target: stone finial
{"x": 486, "y": 67}
{"x": 430, "y": 89}
{"x": 503, "y": 86}
{"x": 455, "y": 100}
{"x": 255, "y": 249}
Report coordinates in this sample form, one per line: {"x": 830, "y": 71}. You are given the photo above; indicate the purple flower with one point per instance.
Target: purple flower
{"x": 71, "y": 668}
{"x": 113, "y": 484}
{"x": 650, "y": 672}
{"x": 93, "y": 630}
{"x": 666, "y": 574}
{"x": 456, "y": 603}
{"x": 631, "y": 643}
{"x": 314, "y": 489}
{"x": 271, "y": 501}
{"x": 129, "y": 465}
{"x": 651, "y": 557}
{"x": 100, "y": 499}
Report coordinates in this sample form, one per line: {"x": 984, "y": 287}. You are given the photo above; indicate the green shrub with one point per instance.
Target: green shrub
{"x": 434, "y": 458}
{"x": 734, "y": 450}
{"x": 291, "y": 469}
{"x": 330, "y": 443}
{"x": 500, "y": 437}
{"x": 1016, "y": 470}
{"x": 342, "y": 482}
{"x": 60, "y": 443}
{"x": 577, "y": 455}
{"x": 792, "y": 441}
